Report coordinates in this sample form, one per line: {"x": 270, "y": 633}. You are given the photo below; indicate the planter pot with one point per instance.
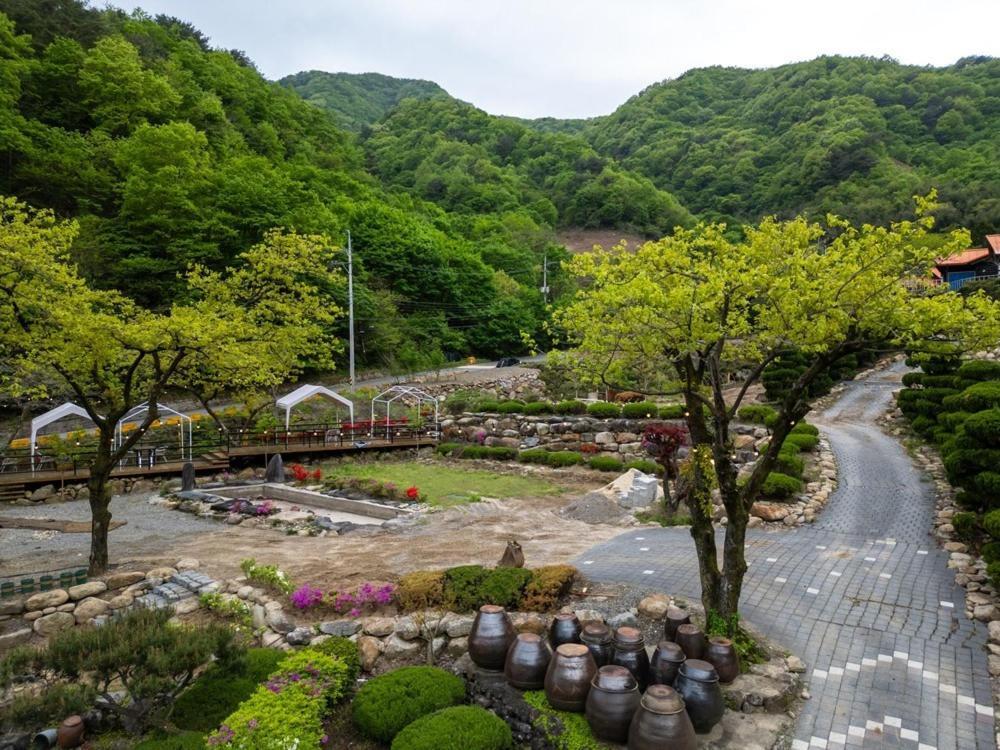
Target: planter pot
{"x": 565, "y": 628}
{"x": 721, "y": 654}
{"x": 698, "y": 684}
{"x": 675, "y": 618}
{"x": 568, "y": 678}
{"x": 491, "y": 636}
{"x": 611, "y": 703}
{"x": 70, "y": 733}
{"x": 597, "y": 638}
{"x": 692, "y": 640}
{"x": 44, "y": 739}
{"x": 527, "y": 661}
{"x": 666, "y": 660}
{"x": 630, "y": 652}
{"x": 661, "y": 722}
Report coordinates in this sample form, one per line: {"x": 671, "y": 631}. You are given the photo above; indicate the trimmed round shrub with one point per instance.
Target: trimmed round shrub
{"x": 422, "y": 589}
{"x": 757, "y": 414}
{"x": 538, "y": 407}
{"x": 780, "y": 486}
{"x": 801, "y": 441}
{"x": 940, "y": 381}
{"x": 790, "y": 463}
{"x": 503, "y": 586}
{"x": 456, "y": 728}
{"x": 981, "y": 396}
{"x": 640, "y": 410}
{"x": 964, "y": 523}
{"x": 547, "y": 586}
{"x": 979, "y": 369}
{"x": 462, "y": 586}
{"x": 645, "y": 466}
{"x": 804, "y": 428}
{"x": 991, "y": 552}
{"x": 447, "y": 449}
{"x": 991, "y": 522}
{"x": 347, "y": 651}
{"x": 984, "y": 426}
{"x": 511, "y": 407}
{"x": 570, "y": 407}
{"x": 490, "y": 406}
{"x": 672, "y": 411}
{"x": 533, "y": 456}
{"x": 952, "y": 420}
{"x": 993, "y": 571}
{"x": 604, "y": 410}
{"x": 911, "y": 379}
{"x": 606, "y": 463}
{"x": 385, "y": 705}
{"x": 563, "y": 458}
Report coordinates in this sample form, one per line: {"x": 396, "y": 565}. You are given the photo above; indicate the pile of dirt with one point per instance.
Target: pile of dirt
{"x": 596, "y": 507}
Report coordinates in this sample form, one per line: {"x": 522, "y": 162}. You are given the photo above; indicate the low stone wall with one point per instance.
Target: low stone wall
{"x": 503, "y": 386}
{"x": 50, "y": 493}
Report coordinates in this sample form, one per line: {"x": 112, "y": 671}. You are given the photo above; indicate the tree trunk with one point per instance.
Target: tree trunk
{"x": 100, "y": 506}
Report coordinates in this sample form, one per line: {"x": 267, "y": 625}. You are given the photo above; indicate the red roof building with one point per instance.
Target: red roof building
{"x": 970, "y": 265}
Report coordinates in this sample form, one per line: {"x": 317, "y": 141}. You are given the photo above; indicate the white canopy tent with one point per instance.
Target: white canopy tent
{"x": 305, "y": 392}
{"x": 187, "y": 436}
{"x": 407, "y": 394}
{"x": 54, "y": 415}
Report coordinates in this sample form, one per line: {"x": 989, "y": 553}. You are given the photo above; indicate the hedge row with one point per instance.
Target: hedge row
{"x": 468, "y": 587}
{"x": 546, "y": 457}
{"x": 599, "y": 409}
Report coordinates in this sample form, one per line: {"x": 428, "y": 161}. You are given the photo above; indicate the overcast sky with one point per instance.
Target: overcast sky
{"x": 577, "y": 58}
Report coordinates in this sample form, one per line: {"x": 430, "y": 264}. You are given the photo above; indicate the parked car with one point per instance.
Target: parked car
{"x": 508, "y": 362}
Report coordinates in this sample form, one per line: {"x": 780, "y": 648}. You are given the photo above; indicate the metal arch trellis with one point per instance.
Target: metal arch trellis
{"x": 401, "y": 392}
{"x": 186, "y": 445}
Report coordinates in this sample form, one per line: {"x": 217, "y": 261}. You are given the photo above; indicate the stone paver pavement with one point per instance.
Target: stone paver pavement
{"x": 864, "y": 596}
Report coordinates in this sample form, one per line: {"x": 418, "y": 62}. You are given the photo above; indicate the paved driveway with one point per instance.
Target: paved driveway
{"x": 864, "y": 596}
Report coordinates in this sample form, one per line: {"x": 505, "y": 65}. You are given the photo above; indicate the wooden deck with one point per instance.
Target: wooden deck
{"x": 13, "y": 484}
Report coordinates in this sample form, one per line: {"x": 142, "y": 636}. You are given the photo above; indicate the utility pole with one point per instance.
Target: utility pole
{"x": 545, "y": 277}
{"x": 350, "y": 304}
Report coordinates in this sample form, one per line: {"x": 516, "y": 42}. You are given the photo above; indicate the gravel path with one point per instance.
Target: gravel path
{"x": 864, "y": 596}
{"x": 148, "y": 527}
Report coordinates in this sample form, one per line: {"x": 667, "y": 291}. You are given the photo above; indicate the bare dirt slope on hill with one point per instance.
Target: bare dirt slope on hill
{"x": 583, "y": 240}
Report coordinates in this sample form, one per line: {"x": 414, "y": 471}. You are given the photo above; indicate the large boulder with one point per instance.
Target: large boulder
{"x": 370, "y": 649}
{"x": 342, "y": 628}
{"x": 43, "y": 493}
{"x": 49, "y": 624}
{"x": 89, "y": 608}
{"x": 278, "y": 621}
{"x": 46, "y": 599}
{"x": 123, "y": 579}
{"x": 84, "y": 590}
{"x": 770, "y": 511}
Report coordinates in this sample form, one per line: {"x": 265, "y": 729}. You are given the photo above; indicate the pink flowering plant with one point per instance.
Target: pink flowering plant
{"x": 367, "y": 597}
{"x": 306, "y": 597}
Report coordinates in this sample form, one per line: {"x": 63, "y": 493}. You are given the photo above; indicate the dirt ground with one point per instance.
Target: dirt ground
{"x": 475, "y": 533}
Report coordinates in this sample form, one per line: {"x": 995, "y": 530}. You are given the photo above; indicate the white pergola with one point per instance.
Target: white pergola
{"x": 407, "y": 394}
{"x": 68, "y": 409}
{"x": 306, "y": 392}
{"x": 186, "y": 439}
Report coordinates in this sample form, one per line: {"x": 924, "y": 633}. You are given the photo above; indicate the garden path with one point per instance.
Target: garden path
{"x": 864, "y": 596}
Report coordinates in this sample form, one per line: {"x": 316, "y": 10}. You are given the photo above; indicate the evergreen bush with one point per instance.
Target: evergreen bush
{"x": 422, "y": 589}
{"x": 645, "y": 466}
{"x": 456, "y": 728}
{"x": 571, "y": 407}
{"x": 548, "y": 585}
{"x": 780, "y": 486}
{"x": 802, "y": 441}
{"x": 511, "y": 407}
{"x": 386, "y": 704}
{"x": 641, "y": 410}
{"x": 604, "y": 410}
{"x": 606, "y": 463}
{"x": 538, "y": 407}
{"x": 756, "y": 414}
{"x": 672, "y": 411}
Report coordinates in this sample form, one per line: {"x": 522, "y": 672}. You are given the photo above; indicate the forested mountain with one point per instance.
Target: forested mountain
{"x": 359, "y": 99}
{"x": 168, "y": 152}
{"x": 856, "y": 136}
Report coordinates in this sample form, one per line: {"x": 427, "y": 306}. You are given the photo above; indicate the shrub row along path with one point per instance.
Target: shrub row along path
{"x": 864, "y": 596}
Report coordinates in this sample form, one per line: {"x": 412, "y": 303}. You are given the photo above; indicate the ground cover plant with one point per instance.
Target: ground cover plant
{"x": 386, "y": 704}
{"x": 444, "y": 486}
{"x": 467, "y": 587}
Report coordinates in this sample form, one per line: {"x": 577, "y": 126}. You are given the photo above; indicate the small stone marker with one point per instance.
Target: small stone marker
{"x": 275, "y": 469}
{"x": 187, "y": 477}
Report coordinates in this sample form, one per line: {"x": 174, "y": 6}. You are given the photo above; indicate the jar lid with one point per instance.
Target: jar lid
{"x": 491, "y": 609}
{"x": 718, "y": 640}
{"x": 565, "y": 616}
{"x": 688, "y": 629}
{"x": 614, "y": 678}
{"x": 597, "y": 632}
{"x": 628, "y": 636}
{"x": 669, "y": 651}
{"x": 662, "y": 699}
{"x": 572, "y": 650}
{"x": 531, "y": 638}
{"x": 675, "y": 614}
{"x": 702, "y": 671}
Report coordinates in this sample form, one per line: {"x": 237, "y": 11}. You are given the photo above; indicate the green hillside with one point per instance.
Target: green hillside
{"x": 358, "y": 99}
{"x": 855, "y": 136}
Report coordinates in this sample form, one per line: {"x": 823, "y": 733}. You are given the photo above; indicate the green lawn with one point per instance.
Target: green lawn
{"x": 446, "y": 485}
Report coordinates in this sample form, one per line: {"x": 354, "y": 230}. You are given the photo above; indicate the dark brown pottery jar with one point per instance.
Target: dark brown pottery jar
{"x": 611, "y": 703}
{"x": 675, "y": 618}
{"x": 698, "y": 683}
{"x": 567, "y": 680}
{"x": 597, "y": 638}
{"x": 661, "y": 722}
{"x": 692, "y": 640}
{"x": 630, "y": 652}
{"x": 565, "y": 628}
{"x": 721, "y": 654}
{"x": 527, "y": 661}
{"x": 667, "y": 658}
{"x": 491, "y": 635}
{"x": 70, "y": 733}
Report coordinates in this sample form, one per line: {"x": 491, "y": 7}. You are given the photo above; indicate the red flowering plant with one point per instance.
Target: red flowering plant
{"x": 300, "y": 472}
{"x": 413, "y": 493}
{"x": 317, "y": 474}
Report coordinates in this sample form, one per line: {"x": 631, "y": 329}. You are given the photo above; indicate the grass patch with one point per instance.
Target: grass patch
{"x": 446, "y": 485}
{"x": 657, "y": 515}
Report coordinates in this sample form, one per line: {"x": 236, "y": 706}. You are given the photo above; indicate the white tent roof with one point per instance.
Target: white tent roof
{"x": 54, "y": 415}
{"x": 302, "y": 393}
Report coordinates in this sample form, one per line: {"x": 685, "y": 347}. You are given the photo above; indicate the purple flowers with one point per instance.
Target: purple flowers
{"x": 306, "y": 596}
{"x": 366, "y": 596}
